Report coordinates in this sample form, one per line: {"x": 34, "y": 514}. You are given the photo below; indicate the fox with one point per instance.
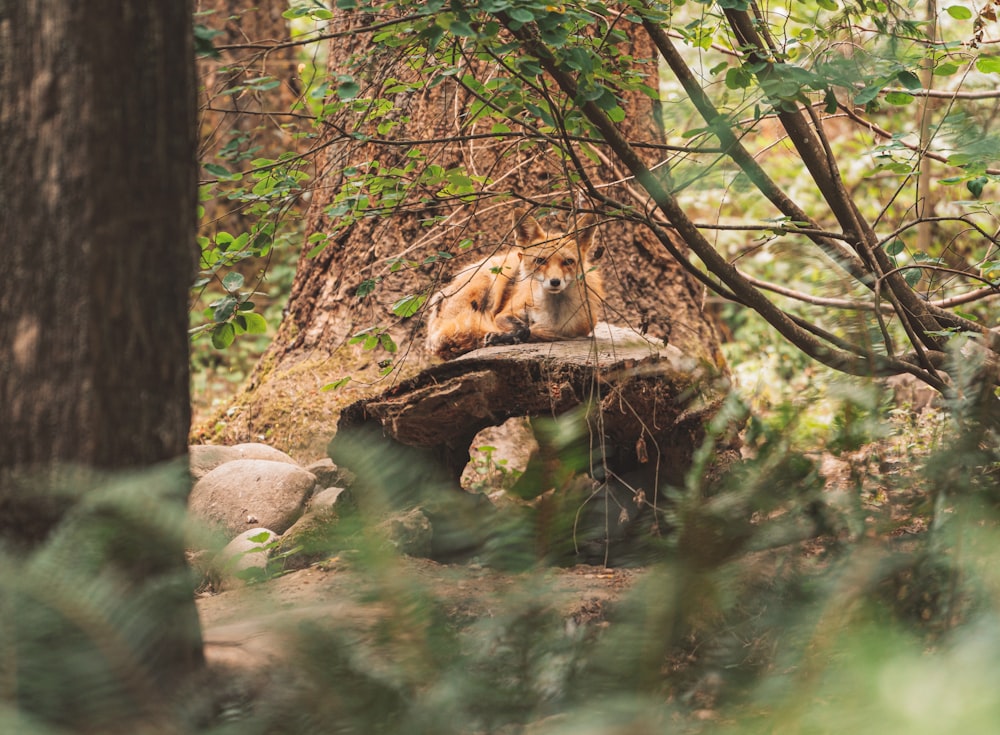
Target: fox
{"x": 544, "y": 289}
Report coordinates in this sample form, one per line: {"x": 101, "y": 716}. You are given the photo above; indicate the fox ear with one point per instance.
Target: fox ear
{"x": 527, "y": 231}
{"x": 585, "y": 231}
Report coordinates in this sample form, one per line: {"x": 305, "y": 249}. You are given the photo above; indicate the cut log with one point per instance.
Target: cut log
{"x": 641, "y": 411}
{"x": 646, "y": 404}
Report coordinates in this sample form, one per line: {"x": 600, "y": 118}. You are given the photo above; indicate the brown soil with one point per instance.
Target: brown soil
{"x": 247, "y": 628}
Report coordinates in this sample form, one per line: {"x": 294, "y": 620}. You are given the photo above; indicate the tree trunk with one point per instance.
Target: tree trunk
{"x": 97, "y": 214}
{"x": 283, "y": 402}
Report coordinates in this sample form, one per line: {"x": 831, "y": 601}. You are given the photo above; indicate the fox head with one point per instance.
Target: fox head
{"x": 553, "y": 261}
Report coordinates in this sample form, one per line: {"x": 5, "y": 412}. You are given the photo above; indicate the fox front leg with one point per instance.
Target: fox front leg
{"x": 519, "y": 332}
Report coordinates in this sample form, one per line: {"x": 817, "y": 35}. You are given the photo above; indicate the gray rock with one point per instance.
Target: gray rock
{"x": 410, "y": 533}
{"x": 245, "y": 557}
{"x": 330, "y": 475}
{"x": 206, "y": 457}
{"x": 337, "y": 498}
{"x": 248, "y": 493}
{"x": 314, "y": 537}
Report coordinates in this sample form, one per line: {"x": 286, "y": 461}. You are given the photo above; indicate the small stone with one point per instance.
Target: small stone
{"x": 330, "y": 475}
{"x": 312, "y": 538}
{"x": 333, "y": 497}
{"x": 410, "y": 533}
{"x": 245, "y": 558}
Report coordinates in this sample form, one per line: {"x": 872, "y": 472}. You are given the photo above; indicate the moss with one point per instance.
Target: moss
{"x": 283, "y": 403}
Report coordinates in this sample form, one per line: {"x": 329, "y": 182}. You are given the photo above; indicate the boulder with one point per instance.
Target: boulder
{"x": 245, "y": 558}
{"x": 206, "y": 457}
{"x": 247, "y": 493}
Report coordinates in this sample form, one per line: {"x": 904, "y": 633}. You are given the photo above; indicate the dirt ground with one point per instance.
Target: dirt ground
{"x": 247, "y": 628}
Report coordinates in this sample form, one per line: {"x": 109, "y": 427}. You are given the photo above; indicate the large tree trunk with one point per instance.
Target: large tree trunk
{"x": 646, "y": 288}
{"x": 97, "y": 214}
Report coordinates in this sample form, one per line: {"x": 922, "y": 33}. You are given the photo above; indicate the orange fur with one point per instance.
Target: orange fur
{"x": 544, "y": 289}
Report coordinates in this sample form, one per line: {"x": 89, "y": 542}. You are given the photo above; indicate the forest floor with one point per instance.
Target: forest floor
{"x": 248, "y": 628}
{"x": 253, "y": 634}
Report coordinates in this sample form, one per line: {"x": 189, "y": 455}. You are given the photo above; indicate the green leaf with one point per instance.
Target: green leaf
{"x": 830, "y": 102}
{"x": 895, "y": 247}
{"x": 975, "y": 186}
{"x": 959, "y": 12}
{"x": 738, "y": 77}
{"x": 912, "y": 276}
{"x": 521, "y": 15}
{"x": 233, "y": 281}
{"x": 408, "y": 306}
{"x": 867, "y": 94}
{"x": 899, "y": 98}
{"x": 946, "y": 69}
{"x": 223, "y": 335}
{"x": 255, "y": 323}
{"x": 348, "y": 89}
{"x": 386, "y": 342}
{"x": 224, "y": 309}
{"x": 203, "y": 45}
{"x": 217, "y": 170}
{"x": 366, "y": 287}
{"x": 909, "y": 80}
{"x": 461, "y": 28}
{"x": 337, "y": 384}
{"x": 988, "y": 64}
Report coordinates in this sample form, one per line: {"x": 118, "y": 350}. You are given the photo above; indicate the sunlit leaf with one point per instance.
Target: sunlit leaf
{"x": 223, "y": 335}
{"x": 408, "y": 306}
{"x": 988, "y": 64}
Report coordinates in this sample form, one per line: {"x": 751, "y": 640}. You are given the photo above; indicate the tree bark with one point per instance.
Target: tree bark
{"x": 282, "y": 401}
{"x": 646, "y": 404}
{"x": 97, "y": 216}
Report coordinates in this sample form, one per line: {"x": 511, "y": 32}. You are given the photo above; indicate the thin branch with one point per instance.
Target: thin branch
{"x": 883, "y": 133}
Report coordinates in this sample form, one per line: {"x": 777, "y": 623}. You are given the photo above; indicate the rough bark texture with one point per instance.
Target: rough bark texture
{"x": 646, "y": 406}
{"x": 97, "y": 198}
{"x": 97, "y": 220}
{"x": 282, "y": 400}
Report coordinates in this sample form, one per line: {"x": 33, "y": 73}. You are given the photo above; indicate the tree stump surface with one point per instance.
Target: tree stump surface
{"x": 646, "y": 404}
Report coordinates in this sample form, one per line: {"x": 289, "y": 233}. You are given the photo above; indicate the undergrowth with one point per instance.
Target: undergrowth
{"x": 788, "y": 596}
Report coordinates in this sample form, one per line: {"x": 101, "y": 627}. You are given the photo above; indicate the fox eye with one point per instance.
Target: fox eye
{"x": 540, "y": 260}
{"x": 569, "y": 262}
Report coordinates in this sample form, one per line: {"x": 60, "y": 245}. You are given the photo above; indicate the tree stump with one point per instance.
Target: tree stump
{"x": 646, "y": 404}
{"x": 642, "y": 407}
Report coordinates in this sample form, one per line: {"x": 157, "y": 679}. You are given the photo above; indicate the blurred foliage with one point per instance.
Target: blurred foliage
{"x": 783, "y": 597}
